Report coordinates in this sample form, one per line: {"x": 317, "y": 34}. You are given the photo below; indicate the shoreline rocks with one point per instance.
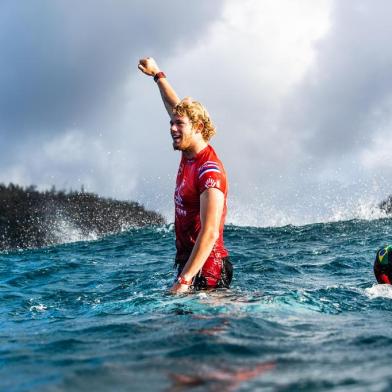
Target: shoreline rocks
{"x": 31, "y": 218}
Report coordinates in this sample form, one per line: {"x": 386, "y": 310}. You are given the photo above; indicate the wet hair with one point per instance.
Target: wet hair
{"x": 196, "y": 113}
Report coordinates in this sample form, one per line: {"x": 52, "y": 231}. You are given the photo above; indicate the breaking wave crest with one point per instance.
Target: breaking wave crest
{"x": 379, "y": 291}
{"x": 270, "y": 215}
{"x": 63, "y": 231}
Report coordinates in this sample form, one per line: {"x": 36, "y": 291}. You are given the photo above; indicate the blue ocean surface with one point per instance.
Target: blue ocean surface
{"x": 304, "y": 314}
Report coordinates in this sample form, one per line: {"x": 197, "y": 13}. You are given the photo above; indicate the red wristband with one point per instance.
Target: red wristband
{"x": 182, "y": 280}
{"x": 159, "y": 75}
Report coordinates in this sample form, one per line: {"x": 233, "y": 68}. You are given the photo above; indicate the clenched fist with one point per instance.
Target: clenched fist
{"x": 148, "y": 66}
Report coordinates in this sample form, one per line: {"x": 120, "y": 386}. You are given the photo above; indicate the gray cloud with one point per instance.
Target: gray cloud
{"x": 344, "y": 99}
{"x": 64, "y": 62}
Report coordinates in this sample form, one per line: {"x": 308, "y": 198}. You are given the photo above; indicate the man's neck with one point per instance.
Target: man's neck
{"x": 192, "y": 152}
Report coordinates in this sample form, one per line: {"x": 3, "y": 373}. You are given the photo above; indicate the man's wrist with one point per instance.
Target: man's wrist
{"x": 159, "y": 75}
{"x": 183, "y": 280}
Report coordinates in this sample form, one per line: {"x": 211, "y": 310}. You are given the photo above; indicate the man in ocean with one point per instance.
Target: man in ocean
{"x": 200, "y": 194}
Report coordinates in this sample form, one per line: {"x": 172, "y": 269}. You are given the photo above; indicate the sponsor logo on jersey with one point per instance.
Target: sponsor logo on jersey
{"x": 179, "y": 193}
{"x": 180, "y": 211}
{"x": 178, "y": 200}
{"x": 210, "y": 183}
{"x": 208, "y": 167}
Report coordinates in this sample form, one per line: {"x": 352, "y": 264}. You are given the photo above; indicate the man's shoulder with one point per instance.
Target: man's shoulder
{"x": 209, "y": 156}
{"x": 211, "y": 166}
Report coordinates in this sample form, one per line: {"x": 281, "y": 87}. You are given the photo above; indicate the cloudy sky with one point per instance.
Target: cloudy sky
{"x": 300, "y": 91}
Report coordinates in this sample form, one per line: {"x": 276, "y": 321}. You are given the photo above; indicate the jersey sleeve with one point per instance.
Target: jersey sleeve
{"x": 211, "y": 175}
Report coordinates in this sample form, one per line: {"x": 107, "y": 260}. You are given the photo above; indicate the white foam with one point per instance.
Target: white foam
{"x": 379, "y": 290}
{"x": 38, "y": 308}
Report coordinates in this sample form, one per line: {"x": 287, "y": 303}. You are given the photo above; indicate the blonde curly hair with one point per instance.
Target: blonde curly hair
{"x": 196, "y": 113}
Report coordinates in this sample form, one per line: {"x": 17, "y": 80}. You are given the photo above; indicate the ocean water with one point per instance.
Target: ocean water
{"x": 304, "y": 314}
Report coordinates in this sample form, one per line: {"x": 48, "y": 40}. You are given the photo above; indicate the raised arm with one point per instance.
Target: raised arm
{"x": 169, "y": 97}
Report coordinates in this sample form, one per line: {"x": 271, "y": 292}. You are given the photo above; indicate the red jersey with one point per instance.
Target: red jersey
{"x": 194, "y": 177}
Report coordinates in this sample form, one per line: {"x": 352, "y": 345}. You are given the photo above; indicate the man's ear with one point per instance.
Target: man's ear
{"x": 199, "y": 127}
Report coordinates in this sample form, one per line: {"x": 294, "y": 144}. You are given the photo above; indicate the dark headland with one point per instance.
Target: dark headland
{"x": 31, "y": 218}
{"x": 386, "y": 205}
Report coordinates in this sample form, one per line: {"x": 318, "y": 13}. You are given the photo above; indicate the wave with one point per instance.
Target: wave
{"x": 271, "y": 215}
{"x": 302, "y": 297}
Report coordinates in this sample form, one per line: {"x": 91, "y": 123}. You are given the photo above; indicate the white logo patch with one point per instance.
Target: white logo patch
{"x": 179, "y": 193}
{"x": 210, "y": 183}
{"x": 180, "y": 211}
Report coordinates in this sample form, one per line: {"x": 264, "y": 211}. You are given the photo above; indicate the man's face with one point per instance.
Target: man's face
{"x": 182, "y": 132}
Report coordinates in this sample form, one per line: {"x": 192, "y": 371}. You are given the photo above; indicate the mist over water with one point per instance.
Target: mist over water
{"x": 311, "y": 204}
{"x": 265, "y": 215}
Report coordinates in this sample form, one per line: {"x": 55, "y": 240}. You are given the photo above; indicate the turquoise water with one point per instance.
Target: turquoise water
{"x": 303, "y": 314}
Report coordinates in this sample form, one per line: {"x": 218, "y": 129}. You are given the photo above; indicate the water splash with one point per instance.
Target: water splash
{"x": 379, "y": 291}
{"x": 268, "y": 212}
{"x": 62, "y": 231}
{"x": 364, "y": 209}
